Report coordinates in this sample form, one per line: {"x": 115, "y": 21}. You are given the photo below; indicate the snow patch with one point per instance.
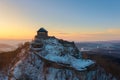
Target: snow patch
{"x": 78, "y": 64}
{"x": 17, "y": 72}
{"x": 52, "y": 46}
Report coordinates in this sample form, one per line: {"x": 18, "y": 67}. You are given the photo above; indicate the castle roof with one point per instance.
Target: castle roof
{"x": 42, "y": 30}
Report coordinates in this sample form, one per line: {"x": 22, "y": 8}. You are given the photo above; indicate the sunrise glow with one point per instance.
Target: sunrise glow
{"x": 76, "y": 21}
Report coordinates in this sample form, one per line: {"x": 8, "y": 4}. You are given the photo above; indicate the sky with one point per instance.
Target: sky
{"x": 73, "y": 20}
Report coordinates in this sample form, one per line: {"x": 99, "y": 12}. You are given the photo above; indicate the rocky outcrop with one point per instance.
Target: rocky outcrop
{"x": 54, "y": 59}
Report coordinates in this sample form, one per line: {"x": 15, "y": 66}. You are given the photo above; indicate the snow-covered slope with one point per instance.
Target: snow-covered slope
{"x": 54, "y": 59}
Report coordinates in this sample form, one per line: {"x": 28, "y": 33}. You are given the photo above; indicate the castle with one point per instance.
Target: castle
{"x": 42, "y": 33}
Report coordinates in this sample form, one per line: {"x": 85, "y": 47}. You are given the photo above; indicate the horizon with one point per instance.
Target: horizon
{"x": 17, "y": 41}
{"x": 79, "y": 21}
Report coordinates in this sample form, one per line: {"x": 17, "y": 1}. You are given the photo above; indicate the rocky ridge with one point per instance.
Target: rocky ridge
{"x": 54, "y": 59}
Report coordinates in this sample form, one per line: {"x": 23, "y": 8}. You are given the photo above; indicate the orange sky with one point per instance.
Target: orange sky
{"x": 19, "y": 23}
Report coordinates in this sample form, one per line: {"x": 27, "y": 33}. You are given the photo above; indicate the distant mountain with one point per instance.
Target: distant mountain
{"x": 6, "y": 47}
{"x": 106, "y": 48}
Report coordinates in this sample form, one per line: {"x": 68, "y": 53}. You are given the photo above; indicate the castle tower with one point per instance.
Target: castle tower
{"x": 42, "y": 33}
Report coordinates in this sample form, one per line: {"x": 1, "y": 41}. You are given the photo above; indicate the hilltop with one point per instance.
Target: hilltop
{"x": 50, "y": 58}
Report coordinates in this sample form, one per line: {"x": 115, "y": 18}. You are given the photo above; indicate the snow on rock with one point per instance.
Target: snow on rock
{"x": 26, "y": 70}
{"x": 52, "y": 46}
{"x": 58, "y": 59}
{"x": 55, "y": 49}
{"x": 3, "y": 76}
{"x": 17, "y": 72}
{"x": 78, "y": 64}
{"x": 59, "y": 51}
{"x": 59, "y": 47}
{"x": 81, "y": 64}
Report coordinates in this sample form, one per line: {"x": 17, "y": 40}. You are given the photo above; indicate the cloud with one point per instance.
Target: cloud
{"x": 64, "y": 33}
{"x": 109, "y": 34}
